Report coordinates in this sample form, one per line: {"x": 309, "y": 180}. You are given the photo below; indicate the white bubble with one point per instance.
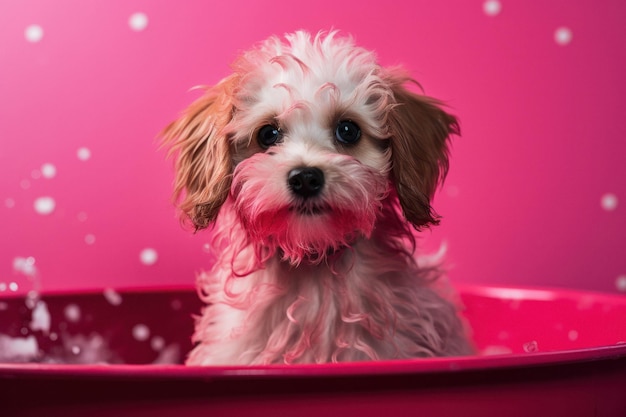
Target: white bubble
{"x": 75, "y": 350}
{"x": 83, "y": 154}
{"x": 563, "y": 36}
{"x": 148, "y": 256}
{"x": 72, "y": 313}
{"x": 141, "y": 332}
{"x": 492, "y": 7}
{"x": 9, "y": 203}
{"x": 138, "y": 21}
{"x": 13, "y": 286}
{"x": 25, "y": 266}
{"x": 609, "y": 202}
{"x": 48, "y": 171}
{"x": 3, "y": 286}
{"x": 33, "y": 33}
{"x": 572, "y": 335}
{"x": 17, "y": 349}
{"x": 531, "y": 347}
{"x": 620, "y": 283}
{"x": 90, "y": 239}
{"x": 44, "y": 205}
{"x": 112, "y": 296}
{"x": 157, "y": 343}
{"x": 40, "y": 318}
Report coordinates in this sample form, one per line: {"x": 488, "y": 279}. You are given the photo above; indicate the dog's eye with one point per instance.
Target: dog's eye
{"x": 347, "y": 132}
{"x": 268, "y": 135}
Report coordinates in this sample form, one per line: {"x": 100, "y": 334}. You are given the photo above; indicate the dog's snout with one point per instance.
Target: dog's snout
{"x": 306, "y": 181}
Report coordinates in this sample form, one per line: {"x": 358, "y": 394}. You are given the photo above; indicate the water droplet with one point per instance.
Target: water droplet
{"x": 25, "y": 266}
{"x": 138, "y": 21}
{"x": 44, "y": 205}
{"x": 157, "y": 343}
{"x": 48, "y": 171}
{"x": 72, "y": 313}
{"x": 83, "y": 154}
{"x": 148, "y": 256}
{"x": 563, "y": 36}
{"x": 13, "y": 286}
{"x": 112, "y": 296}
{"x": 40, "y": 318}
{"x": 141, "y": 332}
{"x": 531, "y": 346}
{"x": 492, "y": 7}
{"x": 33, "y": 33}
{"x": 609, "y": 202}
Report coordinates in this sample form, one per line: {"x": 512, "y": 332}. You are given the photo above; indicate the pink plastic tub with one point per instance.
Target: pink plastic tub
{"x": 543, "y": 353}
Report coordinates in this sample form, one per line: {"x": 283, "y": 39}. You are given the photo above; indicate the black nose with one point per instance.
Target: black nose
{"x": 306, "y": 182}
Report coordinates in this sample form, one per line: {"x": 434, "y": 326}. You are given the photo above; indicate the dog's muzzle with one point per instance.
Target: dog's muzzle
{"x": 306, "y": 182}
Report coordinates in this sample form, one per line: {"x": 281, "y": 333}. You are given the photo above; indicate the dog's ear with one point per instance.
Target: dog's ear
{"x": 420, "y": 131}
{"x": 201, "y": 150}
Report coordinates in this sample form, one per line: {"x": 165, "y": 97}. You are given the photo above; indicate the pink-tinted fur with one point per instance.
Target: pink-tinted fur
{"x": 324, "y": 279}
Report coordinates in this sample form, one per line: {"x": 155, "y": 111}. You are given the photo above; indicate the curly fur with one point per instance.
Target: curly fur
{"x": 324, "y": 279}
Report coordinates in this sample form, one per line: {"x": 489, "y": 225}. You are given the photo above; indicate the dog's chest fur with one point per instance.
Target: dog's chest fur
{"x": 368, "y": 301}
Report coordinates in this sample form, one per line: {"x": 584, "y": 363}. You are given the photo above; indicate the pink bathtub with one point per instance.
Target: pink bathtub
{"x": 543, "y": 353}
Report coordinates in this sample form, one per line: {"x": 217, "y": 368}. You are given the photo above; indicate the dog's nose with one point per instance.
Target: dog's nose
{"x": 306, "y": 182}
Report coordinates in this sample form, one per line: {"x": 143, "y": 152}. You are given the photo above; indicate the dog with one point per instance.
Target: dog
{"x": 314, "y": 166}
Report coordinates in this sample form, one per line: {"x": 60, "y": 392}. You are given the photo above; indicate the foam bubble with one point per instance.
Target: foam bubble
{"x": 563, "y": 36}
{"x": 33, "y": 33}
{"x": 25, "y": 266}
{"x": 141, "y": 332}
{"x": 492, "y": 7}
{"x": 44, "y": 205}
{"x": 112, "y": 296}
{"x": 138, "y": 21}
{"x": 40, "y": 318}
{"x": 609, "y": 202}
{"x": 72, "y": 313}
{"x": 48, "y": 170}
{"x": 148, "y": 256}
{"x": 531, "y": 346}
{"x": 83, "y": 154}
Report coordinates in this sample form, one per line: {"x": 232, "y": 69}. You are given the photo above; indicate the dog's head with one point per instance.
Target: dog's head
{"x": 308, "y": 137}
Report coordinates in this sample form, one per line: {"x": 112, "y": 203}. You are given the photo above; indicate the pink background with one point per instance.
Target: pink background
{"x": 537, "y": 190}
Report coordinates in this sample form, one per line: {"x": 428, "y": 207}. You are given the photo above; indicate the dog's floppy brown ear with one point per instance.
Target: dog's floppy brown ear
{"x": 201, "y": 150}
{"x": 420, "y": 131}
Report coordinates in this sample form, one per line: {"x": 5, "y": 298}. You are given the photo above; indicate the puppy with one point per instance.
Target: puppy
{"x": 313, "y": 164}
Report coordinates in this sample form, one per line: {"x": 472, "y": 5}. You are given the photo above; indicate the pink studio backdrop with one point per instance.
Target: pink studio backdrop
{"x": 537, "y": 189}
